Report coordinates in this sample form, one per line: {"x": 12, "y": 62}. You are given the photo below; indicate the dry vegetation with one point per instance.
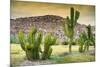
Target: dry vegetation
{"x": 59, "y": 55}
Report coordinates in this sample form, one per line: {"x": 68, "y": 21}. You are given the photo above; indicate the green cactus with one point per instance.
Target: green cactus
{"x": 89, "y": 38}
{"x": 31, "y": 43}
{"x": 85, "y": 39}
{"x": 49, "y": 52}
{"x": 48, "y": 42}
{"x": 69, "y": 25}
{"x": 81, "y": 41}
{"x": 21, "y": 37}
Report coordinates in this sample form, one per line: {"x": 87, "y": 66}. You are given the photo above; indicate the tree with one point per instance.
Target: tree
{"x": 69, "y": 25}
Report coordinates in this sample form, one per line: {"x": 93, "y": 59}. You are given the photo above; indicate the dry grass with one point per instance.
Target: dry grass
{"x": 59, "y": 49}
{"x": 18, "y": 55}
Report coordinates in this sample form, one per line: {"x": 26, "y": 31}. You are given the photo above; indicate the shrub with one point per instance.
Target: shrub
{"x": 73, "y": 43}
{"x": 14, "y": 39}
{"x": 65, "y": 42}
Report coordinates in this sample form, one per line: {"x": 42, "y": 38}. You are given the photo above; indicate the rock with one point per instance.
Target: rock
{"x": 46, "y": 23}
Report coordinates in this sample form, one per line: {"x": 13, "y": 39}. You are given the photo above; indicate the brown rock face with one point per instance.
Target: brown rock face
{"x": 46, "y": 23}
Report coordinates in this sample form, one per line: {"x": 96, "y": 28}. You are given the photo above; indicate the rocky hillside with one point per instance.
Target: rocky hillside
{"x": 46, "y": 23}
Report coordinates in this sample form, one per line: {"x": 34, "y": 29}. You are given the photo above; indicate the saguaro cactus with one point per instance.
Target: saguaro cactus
{"x": 69, "y": 25}
{"x": 48, "y": 42}
{"x": 31, "y": 43}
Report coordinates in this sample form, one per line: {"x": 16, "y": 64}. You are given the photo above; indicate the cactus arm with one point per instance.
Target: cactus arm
{"x": 77, "y": 14}
{"x": 72, "y": 15}
{"x": 21, "y": 38}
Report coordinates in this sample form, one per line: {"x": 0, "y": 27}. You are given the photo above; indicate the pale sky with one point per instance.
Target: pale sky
{"x": 27, "y": 9}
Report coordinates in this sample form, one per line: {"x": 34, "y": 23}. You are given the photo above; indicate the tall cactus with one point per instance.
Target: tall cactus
{"x": 69, "y": 25}
{"x": 48, "y": 42}
{"x": 31, "y": 43}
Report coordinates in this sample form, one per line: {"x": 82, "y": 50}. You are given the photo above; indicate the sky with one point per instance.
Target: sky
{"x": 27, "y": 9}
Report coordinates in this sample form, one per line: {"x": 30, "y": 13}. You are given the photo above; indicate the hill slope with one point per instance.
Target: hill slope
{"x": 46, "y": 23}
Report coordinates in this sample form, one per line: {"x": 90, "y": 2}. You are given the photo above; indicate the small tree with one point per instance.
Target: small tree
{"x": 69, "y": 25}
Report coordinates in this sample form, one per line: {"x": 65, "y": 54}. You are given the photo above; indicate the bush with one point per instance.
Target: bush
{"x": 14, "y": 39}
{"x": 65, "y": 43}
{"x": 73, "y": 43}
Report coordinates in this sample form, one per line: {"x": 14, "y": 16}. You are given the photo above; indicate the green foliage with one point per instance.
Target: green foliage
{"x": 81, "y": 41}
{"x": 86, "y": 39}
{"x": 90, "y": 38}
{"x": 48, "y": 42}
{"x": 73, "y": 43}
{"x": 93, "y": 40}
{"x": 13, "y": 39}
{"x": 22, "y": 41}
{"x": 65, "y": 43}
{"x": 69, "y": 25}
{"x": 31, "y": 43}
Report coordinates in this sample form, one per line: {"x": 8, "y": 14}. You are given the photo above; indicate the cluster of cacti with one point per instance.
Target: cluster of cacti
{"x": 85, "y": 40}
{"x": 69, "y": 25}
{"x": 81, "y": 41}
{"x": 89, "y": 38}
{"x": 31, "y": 44}
{"x": 48, "y": 42}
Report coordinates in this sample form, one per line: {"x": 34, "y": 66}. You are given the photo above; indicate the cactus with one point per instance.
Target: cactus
{"x": 85, "y": 39}
{"x": 31, "y": 43}
{"x": 81, "y": 41}
{"x": 69, "y": 25}
{"x": 21, "y": 37}
{"x": 89, "y": 38}
{"x": 48, "y": 42}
